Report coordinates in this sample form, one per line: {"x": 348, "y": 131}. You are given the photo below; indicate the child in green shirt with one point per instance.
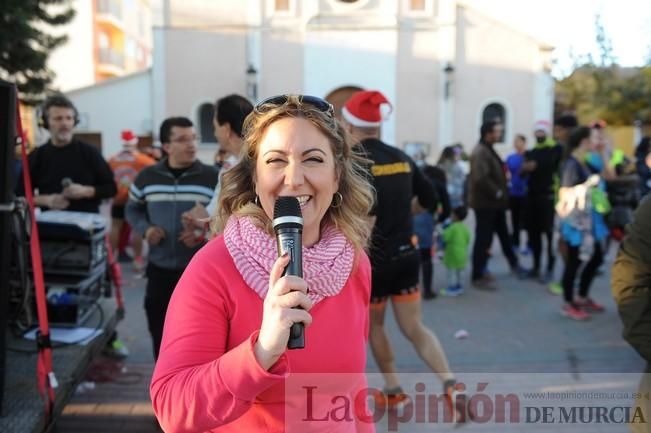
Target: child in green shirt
{"x": 455, "y": 258}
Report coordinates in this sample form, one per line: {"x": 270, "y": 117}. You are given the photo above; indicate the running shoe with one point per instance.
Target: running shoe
{"x": 555, "y": 288}
{"x": 457, "y": 403}
{"x": 453, "y": 290}
{"x": 139, "y": 264}
{"x": 394, "y": 399}
{"x": 590, "y": 306}
{"x": 574, "y": 313}
{"x": 484, "y": 283}
{"x": 116, "y": 350}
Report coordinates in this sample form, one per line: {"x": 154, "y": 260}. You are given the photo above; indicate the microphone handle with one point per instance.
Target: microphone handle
{"x": 290, "y": 240}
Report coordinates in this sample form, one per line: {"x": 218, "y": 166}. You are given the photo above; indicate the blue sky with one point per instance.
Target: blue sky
{"x": 569, "y": 25}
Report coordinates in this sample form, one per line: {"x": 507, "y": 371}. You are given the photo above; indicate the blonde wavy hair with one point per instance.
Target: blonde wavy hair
{"x": 351, "y": 216}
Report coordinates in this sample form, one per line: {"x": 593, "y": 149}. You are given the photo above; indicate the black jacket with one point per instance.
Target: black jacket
{"x": 543, "y": 181}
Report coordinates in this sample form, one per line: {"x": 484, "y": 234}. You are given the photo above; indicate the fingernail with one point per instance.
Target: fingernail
{"x": 285, "y": 254}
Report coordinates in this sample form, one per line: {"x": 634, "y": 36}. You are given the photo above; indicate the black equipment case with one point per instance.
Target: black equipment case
{"x": 72, "y": 243}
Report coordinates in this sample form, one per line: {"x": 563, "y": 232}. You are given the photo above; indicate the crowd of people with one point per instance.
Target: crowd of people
{"x": 571, "y": 192}
{"x": 375, "y": 223}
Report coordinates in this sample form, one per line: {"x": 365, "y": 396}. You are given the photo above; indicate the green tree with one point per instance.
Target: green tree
{"x": 25, "y": 44}
{"x": 604, "y": 90}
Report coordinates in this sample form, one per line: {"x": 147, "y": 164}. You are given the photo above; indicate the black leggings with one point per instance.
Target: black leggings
{"x": 572, "y": 264}
{"x": 540, "y": 222}
{"x": 427, "y": 268}
{"x": 535, "y": 242}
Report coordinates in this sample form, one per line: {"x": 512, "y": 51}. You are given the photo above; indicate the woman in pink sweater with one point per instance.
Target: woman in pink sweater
{"x": 224, "y": 364}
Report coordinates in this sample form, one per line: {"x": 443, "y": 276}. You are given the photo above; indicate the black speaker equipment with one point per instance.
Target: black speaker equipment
{"x": 70, "y": 300}
{"x": 7, "y": 142}
{"x": 56, "y": 101}
{"x": 74, "y": 266}
{"x": 73, "y": 248}
{"x": 72, "y": 243}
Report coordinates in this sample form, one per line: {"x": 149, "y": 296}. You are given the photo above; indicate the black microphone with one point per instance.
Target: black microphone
{"x": 66, "y": 182}
{"x": 288, "y": 225}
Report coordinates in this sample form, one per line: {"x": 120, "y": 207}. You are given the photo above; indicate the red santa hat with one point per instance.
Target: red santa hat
{"x": 129, "y": 138}
{"x": 542, "y": 125}
{"x": 363, "y": 108}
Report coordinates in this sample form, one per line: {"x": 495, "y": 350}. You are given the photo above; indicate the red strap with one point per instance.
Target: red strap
{"x": 46, "y": 378}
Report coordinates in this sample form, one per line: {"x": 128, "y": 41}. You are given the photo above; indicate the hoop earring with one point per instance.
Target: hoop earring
{"x": 257, "y": 200}
{"x": 334, "y": 203}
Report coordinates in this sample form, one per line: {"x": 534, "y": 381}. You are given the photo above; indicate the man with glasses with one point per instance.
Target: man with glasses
{"x": 158, "y": 197}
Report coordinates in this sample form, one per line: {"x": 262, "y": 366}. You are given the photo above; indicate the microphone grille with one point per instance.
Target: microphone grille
{"x": 287, "y": 206}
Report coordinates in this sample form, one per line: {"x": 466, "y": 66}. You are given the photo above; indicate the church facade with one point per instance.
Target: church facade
{"x": 445, "y": 67}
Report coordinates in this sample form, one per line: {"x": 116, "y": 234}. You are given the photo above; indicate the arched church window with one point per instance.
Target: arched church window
{"x": 206, "y": 114}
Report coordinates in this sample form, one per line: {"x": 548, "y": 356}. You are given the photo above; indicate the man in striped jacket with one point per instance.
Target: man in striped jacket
{"x": 157, "y": 198}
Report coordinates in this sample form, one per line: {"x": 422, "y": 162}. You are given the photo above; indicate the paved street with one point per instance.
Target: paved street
{"x": 516, "y": 329}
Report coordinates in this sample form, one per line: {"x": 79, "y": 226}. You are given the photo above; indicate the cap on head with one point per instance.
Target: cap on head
{"x": 363, "y": 109}
{"x": 543, "y": 125}
{"x": 129, "y": 138}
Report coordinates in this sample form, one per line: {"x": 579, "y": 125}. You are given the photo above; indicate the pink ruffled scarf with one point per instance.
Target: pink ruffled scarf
{"x": 326, "y": 264}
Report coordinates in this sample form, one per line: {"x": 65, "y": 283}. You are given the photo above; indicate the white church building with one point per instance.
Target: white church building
{"x": 444, "y": 66}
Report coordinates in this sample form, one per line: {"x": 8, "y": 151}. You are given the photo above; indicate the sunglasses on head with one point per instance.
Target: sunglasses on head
{"x": 275, "y": 101}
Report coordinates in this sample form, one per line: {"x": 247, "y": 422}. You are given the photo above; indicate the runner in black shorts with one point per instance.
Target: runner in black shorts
{"x": 397, "y": 277}
{"x": 394, "y": 259}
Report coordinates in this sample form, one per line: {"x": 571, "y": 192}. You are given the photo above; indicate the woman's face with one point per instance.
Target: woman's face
{"x": 587, "y": 144}
{"x": 296, "y": 159}
{"x": 597, "y": 139}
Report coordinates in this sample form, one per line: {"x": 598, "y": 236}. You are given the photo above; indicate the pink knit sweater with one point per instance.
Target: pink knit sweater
{"x": 208, "y": 380}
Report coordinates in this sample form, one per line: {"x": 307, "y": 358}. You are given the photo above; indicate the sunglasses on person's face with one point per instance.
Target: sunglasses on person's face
{"x": 275, "y": 101}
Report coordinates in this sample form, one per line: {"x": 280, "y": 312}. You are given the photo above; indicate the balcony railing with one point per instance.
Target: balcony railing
{"x": 108, "y": 56}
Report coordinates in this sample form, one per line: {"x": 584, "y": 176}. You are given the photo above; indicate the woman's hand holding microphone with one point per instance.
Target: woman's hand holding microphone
{"x": 279, "y": 313}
